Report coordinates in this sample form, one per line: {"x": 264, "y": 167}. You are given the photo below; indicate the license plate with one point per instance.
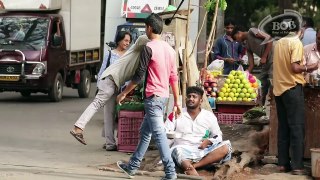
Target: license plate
{"x": 9, "y": 78}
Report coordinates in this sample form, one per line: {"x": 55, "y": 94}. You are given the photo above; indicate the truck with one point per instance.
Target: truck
{"x": 46, "y": 45}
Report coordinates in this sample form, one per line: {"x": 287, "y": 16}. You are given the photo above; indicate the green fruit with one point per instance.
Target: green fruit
{"x": 221, "y": 94}
{"x": 227, "y": 81}
{"x": 234, "y": 99}
{"x": 234, "y": 90}
{"x": 241, "y": 85}
{"x": 219, "y": 98}
{"x": 253, "y": 95}
{"x": 250, "y": 90}
{"x": 244, "y": 90}
{"x": 235, "y": 85}
{"x": 223, "y": 90}
{"x": 239, "y": 99}
{"x": 231, "y": 94}
{"x": 242, "y": 95}
{"x": 230, "y": 76}
{"x": 236, "y": 94}
{"x": 247, "y": 86}
{"x": 229, "y": 98}
{"x": 225, "y": 85}
{"x": 244, "y": 81}
{"x": 248, "y": 95}
{"x": 239, "y": 90}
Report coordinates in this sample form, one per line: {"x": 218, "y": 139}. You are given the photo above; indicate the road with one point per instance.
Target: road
{"x": 35, "y": 142}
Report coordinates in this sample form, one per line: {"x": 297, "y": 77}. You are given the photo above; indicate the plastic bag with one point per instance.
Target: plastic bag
{"x": 216, "y": 65}
{"x": 240, "y": 68}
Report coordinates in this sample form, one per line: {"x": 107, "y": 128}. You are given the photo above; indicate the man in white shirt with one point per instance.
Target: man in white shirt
{"x": 198, "y": 138}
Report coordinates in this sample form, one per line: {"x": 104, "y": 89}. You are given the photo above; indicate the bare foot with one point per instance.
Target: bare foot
{"x": 191, "y": 171}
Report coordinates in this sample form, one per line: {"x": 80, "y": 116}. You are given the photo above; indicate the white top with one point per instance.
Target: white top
{"x": 309, "y": 36}
{"x": 192, "y": 132}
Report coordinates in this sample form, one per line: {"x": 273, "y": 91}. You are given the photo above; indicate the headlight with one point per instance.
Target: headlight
{"x": 39, "y": 69}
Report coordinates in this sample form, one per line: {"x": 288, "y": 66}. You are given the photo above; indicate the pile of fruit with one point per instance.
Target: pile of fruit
{"x": 239, "y": 86}
{"x": 210, "y": 85}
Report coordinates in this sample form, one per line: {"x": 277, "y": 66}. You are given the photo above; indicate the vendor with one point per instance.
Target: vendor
{"x": 227, "y": 49}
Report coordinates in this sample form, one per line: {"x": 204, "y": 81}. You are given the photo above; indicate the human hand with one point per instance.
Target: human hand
{"x": 230, "y": 60}
{"x": 312, "y": 67}
{"x": 205, "y": 143}
{"x": 120, "y": 98}
{"x": 177, "y": 110}
{"x": 263, "y": 60}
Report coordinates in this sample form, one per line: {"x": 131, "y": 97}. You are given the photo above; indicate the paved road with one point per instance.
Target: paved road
{"x": 35, "y": 142}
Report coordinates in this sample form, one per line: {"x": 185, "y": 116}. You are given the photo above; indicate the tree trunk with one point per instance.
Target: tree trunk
{"x": 284, "y": 4}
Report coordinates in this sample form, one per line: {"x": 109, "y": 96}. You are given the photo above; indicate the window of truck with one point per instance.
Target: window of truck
{"x": 23, "y": 33}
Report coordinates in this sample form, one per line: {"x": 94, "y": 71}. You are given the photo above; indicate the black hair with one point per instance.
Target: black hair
{"x": 121, "y": 35}
{"x": 196, "y": 90}
{"x": 235, "y": 30}
{"x": 155, "y": 22}
{"x": 308, "y": 22}
{"x": 229, "y": 21}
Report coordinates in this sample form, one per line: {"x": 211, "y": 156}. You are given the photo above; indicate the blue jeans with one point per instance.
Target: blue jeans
{"x": 153, "y": 125}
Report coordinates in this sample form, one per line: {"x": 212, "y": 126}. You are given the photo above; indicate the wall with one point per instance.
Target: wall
{"x": 112, "y": 20}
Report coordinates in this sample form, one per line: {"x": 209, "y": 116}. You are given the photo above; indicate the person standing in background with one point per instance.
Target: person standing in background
{"x": 227, "y": 49}
{"x": 254, "y": 45}
{"x": 312, "y": 55}
{"x": 288, "y": 82}
{"x": 123, "y": 40}
{"x": 309, "y": 34}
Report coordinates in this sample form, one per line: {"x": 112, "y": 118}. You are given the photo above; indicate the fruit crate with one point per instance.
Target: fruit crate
{"x": 234, "y": 107}
{"x": 129, "y": 123}
{"x": 228, "y": 118}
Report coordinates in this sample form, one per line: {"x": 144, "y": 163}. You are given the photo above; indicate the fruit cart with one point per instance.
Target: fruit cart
{"x": 231, "y": 95}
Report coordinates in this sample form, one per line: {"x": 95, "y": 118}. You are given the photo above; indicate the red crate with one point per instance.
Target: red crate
{"x": 227, "y": 118}
{"x": 234, "y": 107}
{"x": 129, "y": 123}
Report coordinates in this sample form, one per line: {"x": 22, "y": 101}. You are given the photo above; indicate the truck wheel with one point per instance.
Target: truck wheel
{"x": 25, "y": 93}
{"x": 85, "y": 84}
{"x": 55, "y": 92}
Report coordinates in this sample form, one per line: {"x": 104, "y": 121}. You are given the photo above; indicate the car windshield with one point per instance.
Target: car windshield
{"x": 23, "y": 33}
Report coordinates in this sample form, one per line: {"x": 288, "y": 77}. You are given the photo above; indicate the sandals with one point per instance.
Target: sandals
{"x": 78, "y": 136}
{"x": 300, "y": 172}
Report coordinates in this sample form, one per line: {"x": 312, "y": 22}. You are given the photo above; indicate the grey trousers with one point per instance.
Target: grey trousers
{"x": 105, "y": 96}
{"x": 109, "y": 121}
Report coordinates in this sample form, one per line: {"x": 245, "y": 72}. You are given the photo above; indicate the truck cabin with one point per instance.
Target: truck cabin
{"x": 28, "y": 33}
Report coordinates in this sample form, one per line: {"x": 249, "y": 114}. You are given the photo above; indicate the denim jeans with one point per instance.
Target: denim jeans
{"x": 290, "y": 110}
{"x": 153, "y": 125}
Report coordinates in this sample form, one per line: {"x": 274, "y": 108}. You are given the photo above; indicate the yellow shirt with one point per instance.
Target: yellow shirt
{"x": 287, "y": 50}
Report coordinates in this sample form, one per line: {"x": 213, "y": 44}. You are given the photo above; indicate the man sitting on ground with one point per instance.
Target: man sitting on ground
{"x": 198, "y": 138}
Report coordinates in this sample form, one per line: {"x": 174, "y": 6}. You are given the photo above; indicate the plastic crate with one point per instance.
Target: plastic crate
{"x": 129, "y": 123}
{"x": 234, "y": 107}
{"x": 228, "y": 118}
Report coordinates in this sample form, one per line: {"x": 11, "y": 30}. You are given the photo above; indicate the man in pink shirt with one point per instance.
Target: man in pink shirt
{"x": 158, "y": 64}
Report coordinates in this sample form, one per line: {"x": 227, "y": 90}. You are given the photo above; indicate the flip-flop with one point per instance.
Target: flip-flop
{"x": 78, "y": 136}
